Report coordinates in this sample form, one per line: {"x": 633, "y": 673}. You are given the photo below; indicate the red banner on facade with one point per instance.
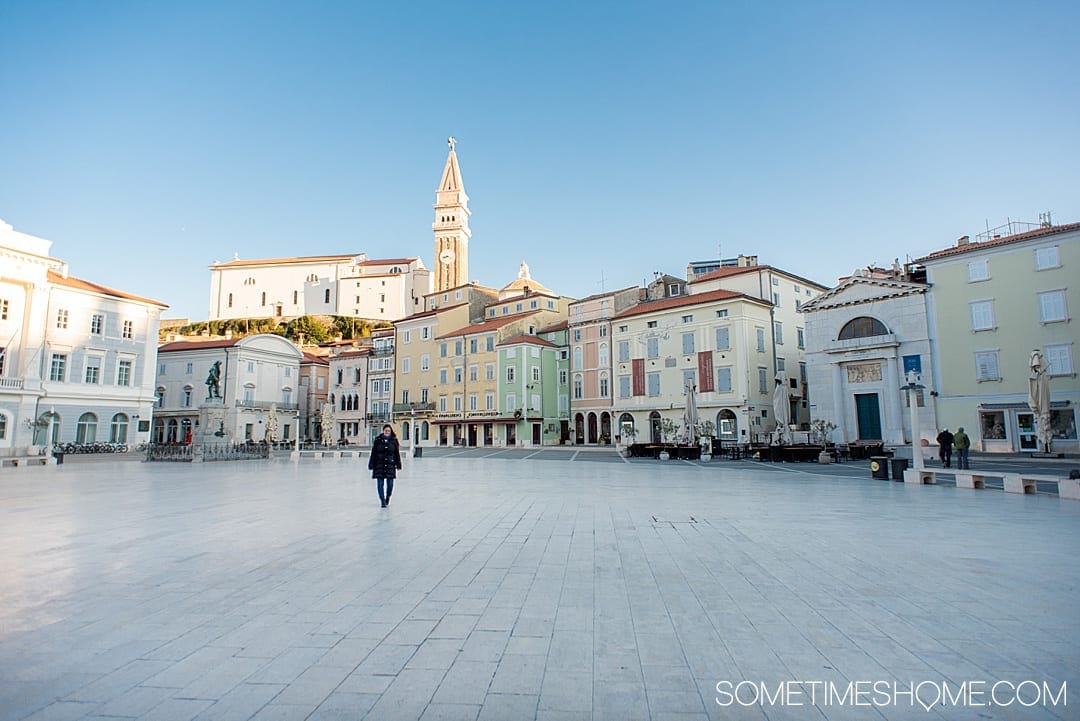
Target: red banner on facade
{"x": 637, "y": 367}
{"x": 705, "y": 372}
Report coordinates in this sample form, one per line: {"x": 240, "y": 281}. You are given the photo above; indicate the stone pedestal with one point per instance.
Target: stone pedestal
{"x": 212, "y": 422}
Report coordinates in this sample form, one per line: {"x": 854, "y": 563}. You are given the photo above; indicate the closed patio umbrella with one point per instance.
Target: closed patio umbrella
{"x": 782, "y": 408}
{"x": 690, "y": 415}
{"x": 1039, "y": 399}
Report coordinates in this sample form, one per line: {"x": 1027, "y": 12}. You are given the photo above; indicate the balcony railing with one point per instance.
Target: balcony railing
{"x": 11, "y": 384}
{"x": 407, "y": 407}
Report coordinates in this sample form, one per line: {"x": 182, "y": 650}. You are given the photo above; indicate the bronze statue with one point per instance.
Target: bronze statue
{"x": 213, "y": 381}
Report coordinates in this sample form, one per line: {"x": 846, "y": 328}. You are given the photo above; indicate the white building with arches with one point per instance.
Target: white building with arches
{"x": 861, "y": 338}
{"x": 256, "y": 372}
{"x": 76, "y": 358}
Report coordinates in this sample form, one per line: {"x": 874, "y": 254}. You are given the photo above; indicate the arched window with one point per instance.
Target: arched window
{"x": 862, "y": 327}
{"x": 313, "y": 278}
{"x": 579, "y": 387}
{"x": 577, "y": 357}
{"x": 603, "y": 359}
{"x": 604, "y": 385}
{"x": 425, "y": 429}
{"x": 171, "y": 429}
{"x": 86, "y": 429}
{"x": 119, "y": 428}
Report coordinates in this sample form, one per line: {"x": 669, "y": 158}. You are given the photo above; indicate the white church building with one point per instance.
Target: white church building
{"x": 348, "y": 285}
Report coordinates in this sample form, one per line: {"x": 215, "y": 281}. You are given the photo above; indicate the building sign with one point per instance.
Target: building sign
{"x": 705, "y": 372}
{"x": 638, "y": 368}
{"x": 863, "y": 372}
{"x": 912, "y": 363}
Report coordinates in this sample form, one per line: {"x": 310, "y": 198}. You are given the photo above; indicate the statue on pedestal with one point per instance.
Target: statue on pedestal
{"x": 213, "y": 381}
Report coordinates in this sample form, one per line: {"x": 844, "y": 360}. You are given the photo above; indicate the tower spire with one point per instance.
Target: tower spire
{"x": 451, "y": 226}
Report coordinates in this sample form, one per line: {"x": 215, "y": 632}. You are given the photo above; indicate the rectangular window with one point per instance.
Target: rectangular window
{"x": 653, "y": 383}
{"x": 778, "y": 331}
{"x": 97, "y": 323}
{"x": 1052, "y": 306}
{"x": 624, "y": 386}
{"x": 129, "y": 329}
{"x": 689, "y": 378}
{"x": 722, "y": 313}
{"x": 474, "y": 345}
{"x": 459, "y": 375}
{"x": 761, "y": 340}
{"x": 489, "y": 343}
{"x": 688, "y": 319}
{"x": 651, "y": 324}
{"x": 802, "y": 373}
{"x": 251, "y": 367}
{"x": 577, "y": 334}
{"x": 472, "y": 402}
{"x": 801, "y": 337}
{"x": 406, "y": 364}
{"x": 511, "y": 402}
{"x": 425, "y": 362}
{"x": 623, "y": 328}
{"x": 3, "y": 309}
{"x": 123, "y": 373}
{"x": 489, "y": 401}
{"x": 442, "y": 350}
{"x": 510, "y": 372}
{"x": 442, "y": 404}
{"x": 58, "y": 367}
{"x": 489, "y": 371}
{"x": 61, "y": 319}
{"x": 978, "y": 270}
{"x": 652, "y": 348}
{"x": 564, "y": 375}
{"x": 406, "y": 336}
{"x": 673, "y": 289}
{"x": 763, "y": 380}
{"x": 781, "y": 364}
{"x": 603, "y": 331}
{"x": 723, "y": 379}
{"x": 982, "y": 315}
{"x": 474, "y": 373}
{"x": 776, "y": 299}
{"x": 986, "y": 366}
{"x": 442, "y": 376}
{"x": 1060, "y": 359}
{"x": 624, "y": 351}
{"x": 423, "y": 395}
{"x": 536, "y": 374}
{"x": 687, "y": 343}
{"x": 457, "y": 347}
{"x": 723, "y": 338}
{"x": 579, "y": 388}
{"x": 1046, "y": 258}
{"x": 186, "y": 400}
{"x": 425, "y": 333}
{"x": 93, "y": 369}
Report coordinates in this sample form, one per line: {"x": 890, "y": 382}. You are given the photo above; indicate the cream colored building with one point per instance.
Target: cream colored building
{"x": 992, "y": 302}
{"x": 349, "y": 285}
{"x": 710, "y": 340}
{"x": 785, "y": 333}
{"x": 76, "y": 358}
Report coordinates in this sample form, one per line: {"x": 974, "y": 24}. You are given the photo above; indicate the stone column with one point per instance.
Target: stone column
{"x": 839, "y": 409}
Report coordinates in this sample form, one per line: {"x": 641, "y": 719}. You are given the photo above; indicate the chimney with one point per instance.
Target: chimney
{"x": 962, "y": 241}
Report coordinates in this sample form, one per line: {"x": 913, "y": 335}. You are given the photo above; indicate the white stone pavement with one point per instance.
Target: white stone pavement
{"x": 497, "y": 589}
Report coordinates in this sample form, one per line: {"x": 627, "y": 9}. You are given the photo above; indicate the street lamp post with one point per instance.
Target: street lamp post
{"x": 912, "y": 388}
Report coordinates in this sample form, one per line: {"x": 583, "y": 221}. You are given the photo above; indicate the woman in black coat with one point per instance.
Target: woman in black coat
{"x": 385, "y": 462}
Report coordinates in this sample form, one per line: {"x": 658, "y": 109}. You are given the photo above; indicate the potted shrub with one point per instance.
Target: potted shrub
{"x": 668, "y": 429}
{"x": 822, "y": 428}
{"x": 706, "y": 431}
{"x": 629, "y": 433}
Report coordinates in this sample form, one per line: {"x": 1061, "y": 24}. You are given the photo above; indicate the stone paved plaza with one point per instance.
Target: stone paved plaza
{"x": 507, "y": 588}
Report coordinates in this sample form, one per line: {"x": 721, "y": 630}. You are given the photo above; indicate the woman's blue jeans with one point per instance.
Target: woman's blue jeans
{"x": 385, "y": 490}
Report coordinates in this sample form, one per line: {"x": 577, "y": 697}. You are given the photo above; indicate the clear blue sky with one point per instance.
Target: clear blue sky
{"x": 147, "y": 139}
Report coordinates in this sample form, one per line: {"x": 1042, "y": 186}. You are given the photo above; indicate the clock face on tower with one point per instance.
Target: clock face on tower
{"x": 446, "y": 257}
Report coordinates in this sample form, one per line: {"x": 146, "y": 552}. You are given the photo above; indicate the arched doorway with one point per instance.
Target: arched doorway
{"x": 171, "y": 431}
{"x": 626, "y": 421}
{"x": 425, "y": 429}
{"x": 605, "y": 427}
{"x": 727, "y": 426}
{"x": 579, "y": 428}
{"x": 118, "y": 431}
{"x": 656, "y": 435}
{"x": 86, "y": 430}
{"x": 159, "y": 431}
{"x": 592, "y": 428}
{"x": 185, "y": 430}
{"x": 405, "y": 437}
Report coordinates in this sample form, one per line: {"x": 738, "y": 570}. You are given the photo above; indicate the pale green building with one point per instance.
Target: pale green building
{"x": 992, "y": 302}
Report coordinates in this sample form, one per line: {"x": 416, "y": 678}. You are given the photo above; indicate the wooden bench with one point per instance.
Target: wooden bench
{"x": 1027, "y": 483}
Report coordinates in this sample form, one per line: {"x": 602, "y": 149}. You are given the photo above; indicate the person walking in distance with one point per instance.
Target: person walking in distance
{"x": 945, "y": 441}
{"x": 385, "y": 462}
{"x": 962, "y": 444}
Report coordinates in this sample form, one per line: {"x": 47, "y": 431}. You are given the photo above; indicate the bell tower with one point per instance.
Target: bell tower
{"x": 451, "y": 227}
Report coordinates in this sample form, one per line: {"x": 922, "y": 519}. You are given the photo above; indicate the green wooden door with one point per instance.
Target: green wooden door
{"x": 869, "y": 416}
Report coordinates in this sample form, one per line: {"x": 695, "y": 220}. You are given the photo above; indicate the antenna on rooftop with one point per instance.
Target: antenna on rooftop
{"x": 603, "y": 288}
{"x": 1045, "y": 220}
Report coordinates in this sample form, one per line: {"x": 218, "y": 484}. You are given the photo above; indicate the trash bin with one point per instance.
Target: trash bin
{"x": 59, "y": 456}
{"x": 879, "y": 467}
{"x": 417, "y": 451}
{"x": 899, "y": 465}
